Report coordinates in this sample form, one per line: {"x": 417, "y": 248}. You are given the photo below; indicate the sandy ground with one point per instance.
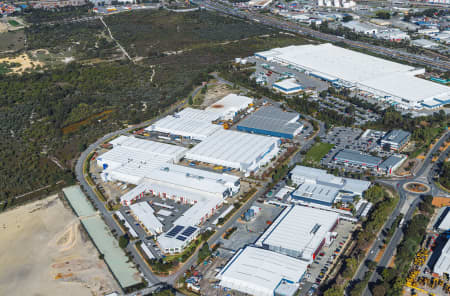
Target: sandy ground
{"x": 25, "y": 63}
{"x": 3, "y": 27}
{"x": 215, "y": 92}
{"x": 43, "y": 252}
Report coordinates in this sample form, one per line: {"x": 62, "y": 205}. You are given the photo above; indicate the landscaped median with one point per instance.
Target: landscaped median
{"x": 86, "y": 168}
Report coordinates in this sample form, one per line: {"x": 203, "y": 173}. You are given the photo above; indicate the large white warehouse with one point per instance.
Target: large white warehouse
{"x": 183, "y": 184}
{"x": 442, "y": 265}
{"x": 300, "y": 232}
{"x": 197, "y": 124}
{"x": 242, "y": 151}
{"x": 262, "y": 272}
{"x": 228, "y": 107}
{"x": 134, "y": 152}
{"x": 390, "y": 80}
{"x": 189, "y": 123}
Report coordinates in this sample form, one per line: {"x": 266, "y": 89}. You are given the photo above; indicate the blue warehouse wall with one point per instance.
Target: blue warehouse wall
{"x": 264, "y": 132}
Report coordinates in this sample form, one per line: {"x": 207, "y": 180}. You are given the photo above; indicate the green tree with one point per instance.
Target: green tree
{"x": 123, "y": 241}
{"x": 334, "y": 291}
{"x": 204, "y": 252}
{"x": 347, "y": 18}
{"x": 379, "y": 290}
{"x": 382, "y": 14}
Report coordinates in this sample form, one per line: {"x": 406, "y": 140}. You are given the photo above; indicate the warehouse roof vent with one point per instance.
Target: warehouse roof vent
{"x": 315, "y": 228}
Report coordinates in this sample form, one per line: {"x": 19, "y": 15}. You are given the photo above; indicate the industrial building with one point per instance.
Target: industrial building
{"x": 144, "y": 213}
{"x": 316, "y": 186}
{"x": 390, "y": 34}
{"x": 395, "y": 140}
{"x": 360, "y": 27}
{"x": 272, "y": 121}
{"x": 442, "y": 265}
{"x": 385, "y": 79}
{"x": 197, "y": 124}
{"x": 336, "y": 3}
{"x": 189, "y": 123}
{"x": 205, "y": 191}
{"x": 229, "y": 106}
{"x": 260, "y": 272}
{"x": 232, "y": 149}
{"x": 149, "y": 166}
{"x": 131, "y": 151}
{"x": 390, "y": 164}
{"x": 177, "y": 238}
{"x": 287, "y": 86}
{"x": 300, "y": 232}
{"x": 358, "y": 159}
{"x": 444, "y": 224}
{"x": 183, "y": 184}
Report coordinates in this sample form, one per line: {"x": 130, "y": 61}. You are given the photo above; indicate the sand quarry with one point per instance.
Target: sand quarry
{"x": 43, "y": 252}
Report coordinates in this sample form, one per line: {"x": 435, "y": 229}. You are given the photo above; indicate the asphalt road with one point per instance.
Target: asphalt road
{"x": 267, "y": 19}
{"x": 422, "y": 175}
{"x": 107, "y": 216}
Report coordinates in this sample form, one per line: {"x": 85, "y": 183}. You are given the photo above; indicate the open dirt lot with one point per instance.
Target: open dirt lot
{"x": 25, "y": 63}
{"x": 43, "y": 252}
{"x": 215, "y": 92}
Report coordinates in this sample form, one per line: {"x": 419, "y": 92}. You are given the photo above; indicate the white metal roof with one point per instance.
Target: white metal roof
{"x": 337, "y": 61}
{"x": 374, "y": 73}
{"x": 136, "y": 144}
{"x": 258, "y": 272}
{"x": 232, "y": 149}
{"x": 145, "y": 214}
{"x": 147, "y": 251}
{"x": 288, "y": 84}
{"x": 127, "y": 225}
{"x": 165, "y": 213}
{"x": 408, "y": 86}
{"x": 192, "y": 179}
{"x": 445, "y": 223}
{"x": 304, "y": 174}
{"x": 443, "y": 263}
{"x": 317, "y": 192}
{"x": 189, "y": 122}
{"x": 229, "y": 105}
{"x": 299, "y": 228}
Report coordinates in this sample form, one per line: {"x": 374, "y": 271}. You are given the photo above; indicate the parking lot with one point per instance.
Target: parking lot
{"x": 327, "y": 258}
{"x": 353, "y": 139}
{"x": 280, "y": 71}
{"x": 346, "y": 108}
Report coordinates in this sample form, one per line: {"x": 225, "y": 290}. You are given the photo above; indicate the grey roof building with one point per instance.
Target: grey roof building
{"x": 395, "y": 139}
{"x": 319, "y": 187}
{"x": 391, "y": 163}
{"x": 357, "y": 158}
{"x": 272, "y": 121}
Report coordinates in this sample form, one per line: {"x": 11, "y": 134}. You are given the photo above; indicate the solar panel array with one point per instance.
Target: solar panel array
{"x": 174, "y": 231}
{"x": 181, "y": 238}
{"x": 189, "y": 231}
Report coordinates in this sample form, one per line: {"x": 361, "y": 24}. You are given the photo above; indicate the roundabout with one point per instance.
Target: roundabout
{"x": 416, "y": 187}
